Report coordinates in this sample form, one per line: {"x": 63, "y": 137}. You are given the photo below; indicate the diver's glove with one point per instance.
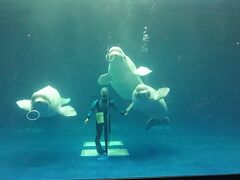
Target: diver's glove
{"x": 124, "y": 113}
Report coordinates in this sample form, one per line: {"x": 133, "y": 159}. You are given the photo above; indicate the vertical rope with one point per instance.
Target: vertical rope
{"x": 108, "y": 47}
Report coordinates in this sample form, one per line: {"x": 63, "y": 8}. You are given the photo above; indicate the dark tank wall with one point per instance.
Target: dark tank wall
{"x": 197, "y": 52}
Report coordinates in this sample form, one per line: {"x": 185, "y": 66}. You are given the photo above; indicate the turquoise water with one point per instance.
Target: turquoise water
{"x": 194, "y": 49}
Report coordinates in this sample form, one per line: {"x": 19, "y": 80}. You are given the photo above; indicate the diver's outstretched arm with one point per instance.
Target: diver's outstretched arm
{"x": 129, "y": 108}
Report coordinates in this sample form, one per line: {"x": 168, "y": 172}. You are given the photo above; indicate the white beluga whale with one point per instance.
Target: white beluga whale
{"x": 151, "y": 103}
{"x": 46, "y": 102}
{"x": 122, "y": 73}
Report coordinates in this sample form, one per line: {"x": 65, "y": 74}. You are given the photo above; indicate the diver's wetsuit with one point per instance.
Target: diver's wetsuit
{"x": 98, "y": 106}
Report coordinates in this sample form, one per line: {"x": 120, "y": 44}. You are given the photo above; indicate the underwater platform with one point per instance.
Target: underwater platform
{"x": 111, "y": 151}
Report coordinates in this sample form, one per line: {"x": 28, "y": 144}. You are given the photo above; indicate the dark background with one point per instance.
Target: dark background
{"x": 194, "y": 49}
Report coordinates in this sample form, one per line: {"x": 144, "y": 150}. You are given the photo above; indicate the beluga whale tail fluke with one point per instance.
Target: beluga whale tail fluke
{"x": 46, "y": 102}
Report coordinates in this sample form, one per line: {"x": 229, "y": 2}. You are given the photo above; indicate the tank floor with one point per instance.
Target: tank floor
{"x": 53, "y": 150}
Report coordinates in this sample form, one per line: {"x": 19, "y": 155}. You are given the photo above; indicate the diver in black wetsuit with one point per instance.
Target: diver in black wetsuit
{"x": 101, "y": 107}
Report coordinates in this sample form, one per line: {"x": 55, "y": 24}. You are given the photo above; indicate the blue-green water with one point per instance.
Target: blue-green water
{"x": 194, "y": 49}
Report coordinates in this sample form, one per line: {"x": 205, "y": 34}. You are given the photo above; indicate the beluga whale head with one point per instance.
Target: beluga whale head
{"x": 40, "y": 103}
{"x": 115, "y": 53}
{"x": 141, "y": 92}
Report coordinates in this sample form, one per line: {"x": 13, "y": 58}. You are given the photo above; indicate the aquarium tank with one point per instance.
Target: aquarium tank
{"x": 108, "y": 89}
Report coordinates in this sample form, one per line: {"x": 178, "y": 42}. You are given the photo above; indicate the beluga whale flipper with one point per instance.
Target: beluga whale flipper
{"x": 122, "y": 73}
{"x": 151, "y": 103}
{"x": 46, "y": 102}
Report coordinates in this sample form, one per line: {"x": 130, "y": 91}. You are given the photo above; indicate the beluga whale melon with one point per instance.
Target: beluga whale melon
{"x": 122, "y": 73}
{"x": 46, "y": 102}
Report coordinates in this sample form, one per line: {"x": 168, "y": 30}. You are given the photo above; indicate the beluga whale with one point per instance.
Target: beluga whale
{"x": 151, "y": 102}
{"x": 46, "y": 102}
{"x": 122, "y": 73}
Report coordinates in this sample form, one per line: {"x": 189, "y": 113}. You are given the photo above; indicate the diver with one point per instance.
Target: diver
{"x": 101, "y": 108}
